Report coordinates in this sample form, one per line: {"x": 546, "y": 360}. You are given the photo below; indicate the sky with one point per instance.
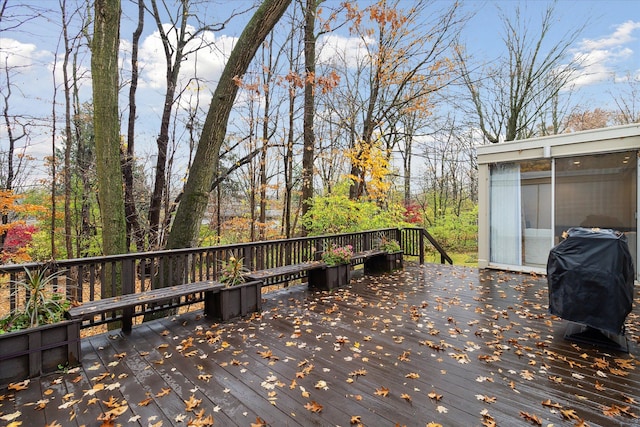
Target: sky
{"x": 609, "y": 43}
{"x": 609, "y": 46}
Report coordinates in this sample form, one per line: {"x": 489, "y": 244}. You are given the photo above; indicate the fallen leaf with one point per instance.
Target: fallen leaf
{"x": 321, "y": 385}
{"x": 435, "y": 396}
{"x": 313, "y": 406}
{"x": 22, "y": 385}
{"x": 145, "y": 402}
{"x": 192, "y": 403}
{"x": 259, "y": 423}
{"x": 382, "y": 391}
{"x": 10, "y": 417}
{"x": 534, "y": 419}
{"x": 163, "y": 392}
{"x": 549, "y": 404}
{"x": 569, "y": 414}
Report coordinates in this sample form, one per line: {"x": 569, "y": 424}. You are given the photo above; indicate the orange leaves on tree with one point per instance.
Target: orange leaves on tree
{"x": 17, "y": 233}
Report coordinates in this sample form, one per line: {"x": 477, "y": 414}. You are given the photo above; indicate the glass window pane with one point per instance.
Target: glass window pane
{"x": 536, "y": 212}
{"x": 505, "y": 216}
{"x": 597, "y": 191}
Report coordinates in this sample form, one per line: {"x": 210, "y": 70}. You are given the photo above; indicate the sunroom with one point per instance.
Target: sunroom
{"x": 530, "y": 191}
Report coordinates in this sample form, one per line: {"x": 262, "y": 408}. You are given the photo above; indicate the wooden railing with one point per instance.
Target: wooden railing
{"x": 88, "y": 279}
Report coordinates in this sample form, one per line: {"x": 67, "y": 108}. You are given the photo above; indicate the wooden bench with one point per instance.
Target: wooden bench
{"x": 286, "y": 273}
{"x": 154, "y": 299}
{"x": 361, "y": 257}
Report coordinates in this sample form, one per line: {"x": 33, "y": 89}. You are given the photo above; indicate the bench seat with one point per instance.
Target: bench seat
{"x": 360, "y": 257}
{"x": 292, "y": 271}
{"x": 89, "y": 310}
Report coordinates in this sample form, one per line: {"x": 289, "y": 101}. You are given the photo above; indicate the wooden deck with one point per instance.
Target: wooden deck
{"x": 434, "y": 344}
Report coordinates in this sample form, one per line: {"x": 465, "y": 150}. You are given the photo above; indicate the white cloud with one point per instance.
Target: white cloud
{"x": 602, "y": 58}
{"x": 207, "y": 62}
{"x": 18, "y": 54}
{"x": 621, "y": 36}
{"x": 336, "y": 49}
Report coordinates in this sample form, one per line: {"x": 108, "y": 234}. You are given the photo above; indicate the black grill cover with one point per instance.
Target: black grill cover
{"x": 590, "y": 276}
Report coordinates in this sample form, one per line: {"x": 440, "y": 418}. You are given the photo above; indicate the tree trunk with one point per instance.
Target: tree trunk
{"x": 190, "y": 212}
{"x": 174, "y": 58}
{"x": 309, "y": 104}
{"x": 104, "y": 69}
{"x": 134, "y": 230}
{"x": 68, "y": 135}
{"x": 288, "y": 167}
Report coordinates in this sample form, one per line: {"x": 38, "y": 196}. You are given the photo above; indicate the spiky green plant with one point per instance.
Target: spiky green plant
{"x": 43, "y": 304}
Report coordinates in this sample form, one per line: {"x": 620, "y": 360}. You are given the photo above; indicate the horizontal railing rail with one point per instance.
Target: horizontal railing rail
{"x": 89, "y": 279}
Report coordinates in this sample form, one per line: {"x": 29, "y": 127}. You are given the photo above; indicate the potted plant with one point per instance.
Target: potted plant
{"x": 337, "y": 269}
{"x": 391, "y": 259}
{"x": 238, "y": 297}
{"x": 390, "y": 246}
{"x": 35, "y": 338}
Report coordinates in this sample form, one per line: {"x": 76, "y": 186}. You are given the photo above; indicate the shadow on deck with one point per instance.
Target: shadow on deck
{"x": 449, "y": 345}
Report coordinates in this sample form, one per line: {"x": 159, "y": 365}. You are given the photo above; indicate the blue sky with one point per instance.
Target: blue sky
{"x": 609, "y": 44}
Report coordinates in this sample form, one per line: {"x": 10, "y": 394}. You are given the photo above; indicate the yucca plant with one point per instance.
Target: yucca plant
{"x": 232, "y": 272}
{"x": 43, "y": 304}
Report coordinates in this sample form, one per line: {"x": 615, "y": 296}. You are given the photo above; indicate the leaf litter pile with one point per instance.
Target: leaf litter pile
{"x": 427, "y": 346}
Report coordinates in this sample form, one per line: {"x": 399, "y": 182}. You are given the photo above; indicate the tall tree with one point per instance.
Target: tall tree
{"x": 186, "y": 224}
{"x": 106, "y": 123}
{"x": 135, "y": 231}
{"x": 408, "y": 63}
{"x": 510, "y": 96}
{"x": 309, "y": 139}
{"x": 628, "y": 101}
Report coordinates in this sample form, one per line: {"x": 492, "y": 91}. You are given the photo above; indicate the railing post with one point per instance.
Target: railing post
{"x": 245, "y": 255}
{"x": 128, "y": 287}
{"x": 422, "y": 234}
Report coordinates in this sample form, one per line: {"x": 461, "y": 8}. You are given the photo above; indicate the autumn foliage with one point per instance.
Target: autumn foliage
{"x": 15, "y": 233}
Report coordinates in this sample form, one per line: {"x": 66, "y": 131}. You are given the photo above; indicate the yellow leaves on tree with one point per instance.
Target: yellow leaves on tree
{"x": 374, "y": 160}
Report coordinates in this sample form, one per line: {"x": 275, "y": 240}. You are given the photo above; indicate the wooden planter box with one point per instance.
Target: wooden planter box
{"x": 35, "y": 351}
{"x": 384, "y": 263}
{"x": 235, "y": 301}
{"x": 330, "y": 277}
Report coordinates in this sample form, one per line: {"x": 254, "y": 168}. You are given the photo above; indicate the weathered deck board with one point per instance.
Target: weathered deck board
{"x": 448, "y": 343}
